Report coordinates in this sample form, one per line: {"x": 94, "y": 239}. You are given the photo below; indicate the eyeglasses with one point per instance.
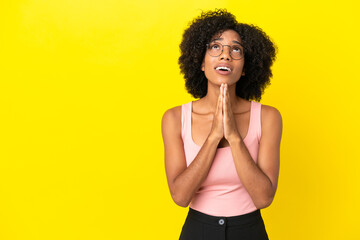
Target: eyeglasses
{"x": 215, "y": 49}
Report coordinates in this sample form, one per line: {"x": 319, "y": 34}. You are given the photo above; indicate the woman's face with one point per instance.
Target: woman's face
{"x": 224, "y": 68}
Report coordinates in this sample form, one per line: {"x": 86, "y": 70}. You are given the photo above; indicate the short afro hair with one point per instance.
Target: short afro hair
{"x": 259, "y": 50}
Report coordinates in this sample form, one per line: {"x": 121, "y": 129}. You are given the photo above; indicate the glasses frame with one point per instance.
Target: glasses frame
{"x": 222, "y": 50}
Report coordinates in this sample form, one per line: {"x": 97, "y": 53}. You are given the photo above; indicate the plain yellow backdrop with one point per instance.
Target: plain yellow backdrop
{"x": 84, "y": 85}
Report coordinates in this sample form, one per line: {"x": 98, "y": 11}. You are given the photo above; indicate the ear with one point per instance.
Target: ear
{"x": 203, "y": 66}
{"x": 243, "y": 73}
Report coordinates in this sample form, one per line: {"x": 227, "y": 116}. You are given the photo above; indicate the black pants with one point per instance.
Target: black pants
{"x": 200, "y": 226}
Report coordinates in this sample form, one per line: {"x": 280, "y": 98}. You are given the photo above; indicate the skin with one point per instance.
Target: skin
{"x": 221, "y": 119}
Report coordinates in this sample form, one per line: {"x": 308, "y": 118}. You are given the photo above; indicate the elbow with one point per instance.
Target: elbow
{"x": 181, "y": 204}
{"x": 264, "y": 202}
{"x": 180, "y": 200}
{"x": 179, "y": 196}
{"x": 265, "y": 199}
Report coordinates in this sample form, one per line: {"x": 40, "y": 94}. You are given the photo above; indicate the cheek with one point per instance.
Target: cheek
{"x": 208, "y": 64}
{"x": 241, "y": 68}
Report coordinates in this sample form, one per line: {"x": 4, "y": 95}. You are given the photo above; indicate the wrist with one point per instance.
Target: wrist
{"x": 235, "y": 139}
{"x": 213, "y": 139}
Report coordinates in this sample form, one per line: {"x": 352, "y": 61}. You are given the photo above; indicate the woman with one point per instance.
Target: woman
{"x": 222, "y": 151}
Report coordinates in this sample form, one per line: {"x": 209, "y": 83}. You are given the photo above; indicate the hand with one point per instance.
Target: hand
{"x": 217, "y": 129}
{"x": 230, "y": 129}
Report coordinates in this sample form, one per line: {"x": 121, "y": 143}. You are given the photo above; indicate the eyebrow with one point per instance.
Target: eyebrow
{"x": 216, "y": 39}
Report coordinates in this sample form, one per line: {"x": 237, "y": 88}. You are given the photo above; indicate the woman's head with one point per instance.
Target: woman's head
{"x": 259, "y": 54}
{"x": 224, "y": 59}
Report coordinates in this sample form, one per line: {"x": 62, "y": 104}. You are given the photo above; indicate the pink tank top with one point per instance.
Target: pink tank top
{"x": 222, "y": 193}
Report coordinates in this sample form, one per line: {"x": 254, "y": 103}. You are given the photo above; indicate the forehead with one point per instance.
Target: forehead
{"x": 227, "y": 35}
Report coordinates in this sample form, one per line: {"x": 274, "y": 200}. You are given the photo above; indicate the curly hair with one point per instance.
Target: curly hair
{"x": 259, "y": 51}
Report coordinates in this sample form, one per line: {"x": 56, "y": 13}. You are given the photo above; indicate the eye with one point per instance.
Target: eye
{"x": 215, "y": 46}
{"x": 236, "y": 49}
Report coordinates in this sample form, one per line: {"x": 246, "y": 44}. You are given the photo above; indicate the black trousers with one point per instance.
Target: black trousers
{"x": 200, "y": 226}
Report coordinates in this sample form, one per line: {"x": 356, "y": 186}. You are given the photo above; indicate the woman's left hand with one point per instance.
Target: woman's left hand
{"x": 230, "y": 129}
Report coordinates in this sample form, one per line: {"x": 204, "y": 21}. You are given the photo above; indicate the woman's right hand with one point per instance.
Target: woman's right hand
{"x": 217, "y": 129}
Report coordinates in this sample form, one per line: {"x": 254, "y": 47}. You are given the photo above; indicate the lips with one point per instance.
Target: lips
{"x": 223, "y": 69}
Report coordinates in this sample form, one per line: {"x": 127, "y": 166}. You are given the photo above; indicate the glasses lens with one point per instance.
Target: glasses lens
{"x": 215, "y": 49}
{"x": 237, "y": 52}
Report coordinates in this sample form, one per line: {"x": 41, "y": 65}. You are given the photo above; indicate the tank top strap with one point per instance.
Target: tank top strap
{"x": 185, "y": 119}
{"x": 256, "y": 119}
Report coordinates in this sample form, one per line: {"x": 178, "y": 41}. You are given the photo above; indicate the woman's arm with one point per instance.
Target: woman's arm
{"x": 260, "y": 180}
{"x": 184, "y": 181}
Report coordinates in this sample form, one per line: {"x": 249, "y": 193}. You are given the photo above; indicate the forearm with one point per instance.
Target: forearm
{"x": 189, "y": 181}
{"x": 256, "y": 182}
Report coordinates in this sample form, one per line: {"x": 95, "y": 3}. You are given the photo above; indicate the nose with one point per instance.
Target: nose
{"x": 225, "y": 53}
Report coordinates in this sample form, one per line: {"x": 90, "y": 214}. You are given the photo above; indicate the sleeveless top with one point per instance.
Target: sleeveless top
{"x": 222, "y": 193}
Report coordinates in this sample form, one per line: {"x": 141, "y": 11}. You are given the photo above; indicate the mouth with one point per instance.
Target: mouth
{"x": 223, "y": 69}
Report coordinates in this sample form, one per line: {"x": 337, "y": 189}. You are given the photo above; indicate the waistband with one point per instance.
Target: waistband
{"x": 248, "y": 218}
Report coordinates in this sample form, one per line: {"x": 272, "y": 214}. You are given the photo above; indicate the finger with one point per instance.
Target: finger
{"x": 219, "y": 103}
{"x": 223, "y": 93}
{"x": 227, "y": 92}
{"x": 227, "y": 103}
{"x": 222, "y": 98}
{"x": 226, "y": 98}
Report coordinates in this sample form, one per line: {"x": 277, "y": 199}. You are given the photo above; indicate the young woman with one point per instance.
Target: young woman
{"x": 222, "y": 151}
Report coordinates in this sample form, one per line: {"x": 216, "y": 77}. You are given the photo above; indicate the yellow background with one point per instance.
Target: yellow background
{"x": 83, "y": 88}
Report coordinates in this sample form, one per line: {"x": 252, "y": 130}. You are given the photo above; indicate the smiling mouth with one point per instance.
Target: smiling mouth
{"x": 225, "y": 69}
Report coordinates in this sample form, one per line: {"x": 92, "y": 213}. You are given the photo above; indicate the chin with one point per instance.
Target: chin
{"x": 219, "y": 80}
{"x": 228, "y": 82}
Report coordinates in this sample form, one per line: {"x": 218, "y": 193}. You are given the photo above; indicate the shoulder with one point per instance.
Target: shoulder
{"x": 269, "y": 112}
{"x": 270, "y": 117}
{"x": 171, "y": 119}
{"x": 172, "y": 114}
